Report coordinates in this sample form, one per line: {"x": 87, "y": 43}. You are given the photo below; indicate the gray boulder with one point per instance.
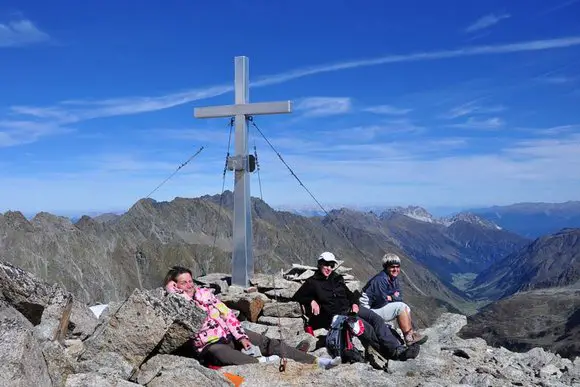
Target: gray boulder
{"x": 21, "y": 360}
{"x": 108, "y": 364}
{"x": 146, "y": 321}
{"x": 58, "y": 363}
{"x": 47, "y": 307}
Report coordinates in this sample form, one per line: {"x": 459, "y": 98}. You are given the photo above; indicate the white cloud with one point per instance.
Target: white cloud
{"x": 557, "y": 130}
{"x": 486, "y": 22}
{"x": 476, "y": 123}
{"x": 557, "y": 80}
{"x": 429, "y": 172}
{"x": 324, "y": 106}
{"x": 472, "y": 107}
{"x": 21, "y": 33}
{"x": 387, "y": 110}
{"x": 82, "y": 110}
{"x": 14, "y": 133}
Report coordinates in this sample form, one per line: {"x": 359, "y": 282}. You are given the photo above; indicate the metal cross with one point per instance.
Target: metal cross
{"x": 242, "y": 255}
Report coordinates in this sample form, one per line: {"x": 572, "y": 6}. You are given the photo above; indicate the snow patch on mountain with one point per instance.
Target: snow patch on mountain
{"x": 415, "y": 212}
{"x": 473, "y": 219}
{"x": 422, "y": 215}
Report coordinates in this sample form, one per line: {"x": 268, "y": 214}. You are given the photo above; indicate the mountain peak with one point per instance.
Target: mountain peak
{"x": 469, "y": 217}
{"x": 414, "y": 212}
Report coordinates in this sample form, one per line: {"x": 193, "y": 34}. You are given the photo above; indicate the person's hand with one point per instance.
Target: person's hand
{"x": 246, "y": 343}
{"x": 315, "y": 308}
{"x": 355, "y": 308}
{"x": 396, "y": 294}
{"x": 389, "y": 298}
{"x": 171, "y": 287}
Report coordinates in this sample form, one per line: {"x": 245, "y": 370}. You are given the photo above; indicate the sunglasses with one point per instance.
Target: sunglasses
{"x": 327, "y": 263}
{"x": 395, "y": 267}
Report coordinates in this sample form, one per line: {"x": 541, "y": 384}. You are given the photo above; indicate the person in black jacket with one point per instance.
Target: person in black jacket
{"x": 325, "y": 295}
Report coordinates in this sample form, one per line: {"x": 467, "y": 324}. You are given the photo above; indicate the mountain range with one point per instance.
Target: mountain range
{"x": 550, "y": 261}
{"x": 529, "y": 220}
{"x": 533, "y": 220}
{"x": 104, "y": 259}
{"x": 538, "y": 289}
{"x": 455, "y": 263}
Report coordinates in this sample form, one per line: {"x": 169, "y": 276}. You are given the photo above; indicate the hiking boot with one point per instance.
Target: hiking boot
{"x": 411, "y": 352}
{"x": 415, "y": 338}
{"x": 303, "y": 346}
{"x": 403, "y": 353}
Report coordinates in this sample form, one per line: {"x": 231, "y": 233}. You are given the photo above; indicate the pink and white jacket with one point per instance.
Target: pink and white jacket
{"x": 219, "y": 323}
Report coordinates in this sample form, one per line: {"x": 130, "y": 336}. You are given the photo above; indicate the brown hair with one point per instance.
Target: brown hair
{"x": 175, "y": 272}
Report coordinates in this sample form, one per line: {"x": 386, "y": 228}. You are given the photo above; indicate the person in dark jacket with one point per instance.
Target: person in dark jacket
{"x": 382, "y": 294}
{"x": 325, "y": 295}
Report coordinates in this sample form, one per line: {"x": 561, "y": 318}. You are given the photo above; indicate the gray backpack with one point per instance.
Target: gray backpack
{"x": 338, "y": 339}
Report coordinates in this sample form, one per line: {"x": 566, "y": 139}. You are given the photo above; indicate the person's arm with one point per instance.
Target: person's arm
{"x": 397, "y": 293}
{"x": 387, "y": 292}
{"x": 305, "y": 294}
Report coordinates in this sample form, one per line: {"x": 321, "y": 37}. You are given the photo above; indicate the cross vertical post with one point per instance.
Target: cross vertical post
{"x": 243, "y": 254}
{"x": 242, "y": 251}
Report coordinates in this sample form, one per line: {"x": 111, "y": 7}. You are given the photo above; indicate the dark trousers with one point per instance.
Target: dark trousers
{"x": 378, "y": 334}
{"x": 221, "y": 354}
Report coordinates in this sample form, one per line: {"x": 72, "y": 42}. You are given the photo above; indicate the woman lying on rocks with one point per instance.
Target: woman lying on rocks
{"x": 222, "y": 341}
{"x": 382, "y": 294}
{"x": 325, "y": 295}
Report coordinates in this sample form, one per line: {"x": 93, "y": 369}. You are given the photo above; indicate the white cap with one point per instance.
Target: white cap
{"x": 328, "y": 257}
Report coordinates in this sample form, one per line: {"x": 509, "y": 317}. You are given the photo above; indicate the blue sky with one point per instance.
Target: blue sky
{"x": 439, "y": 104}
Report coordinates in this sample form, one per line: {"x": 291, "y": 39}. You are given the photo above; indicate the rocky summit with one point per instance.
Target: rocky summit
{"x": 51, "y": 339}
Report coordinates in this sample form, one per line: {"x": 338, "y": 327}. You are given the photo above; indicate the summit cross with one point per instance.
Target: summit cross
{"x": 242, "y": 254}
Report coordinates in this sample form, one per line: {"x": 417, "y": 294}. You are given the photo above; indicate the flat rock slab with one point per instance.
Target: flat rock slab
{"x": 219, "y": 281}
{"x": 169, "y": 370}
{"x": 297, "y": 374}
{"x": 282, "y": 309}
{"x": 94, "y": 379}
{"x": 282, "y": 321}
{"x": 265, "y": 281}
{"x": 284, "y": 294}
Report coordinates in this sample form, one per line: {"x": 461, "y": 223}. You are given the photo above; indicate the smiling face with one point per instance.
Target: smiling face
{"x": 394, "y": 270}
{"x": 185, "y": 283}
{"x": 326, "y": 267}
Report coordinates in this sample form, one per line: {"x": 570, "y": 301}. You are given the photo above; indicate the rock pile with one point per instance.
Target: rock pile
{"x": 49, "y": 339}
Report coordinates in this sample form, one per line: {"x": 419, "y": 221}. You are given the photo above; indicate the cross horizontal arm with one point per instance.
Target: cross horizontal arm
{"x": 249, "y": 109}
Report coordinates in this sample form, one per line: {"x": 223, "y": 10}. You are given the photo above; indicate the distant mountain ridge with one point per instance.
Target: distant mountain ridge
{"x": 464, "y": 244}
{"x": 538, "y": 293}
{"x": 550, "y": 261}
{"x": 421, "y": 214}
{"x": 533, "y": 219}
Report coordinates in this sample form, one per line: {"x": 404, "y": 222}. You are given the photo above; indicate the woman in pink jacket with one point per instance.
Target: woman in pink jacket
{"x": 222, "y": 340}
